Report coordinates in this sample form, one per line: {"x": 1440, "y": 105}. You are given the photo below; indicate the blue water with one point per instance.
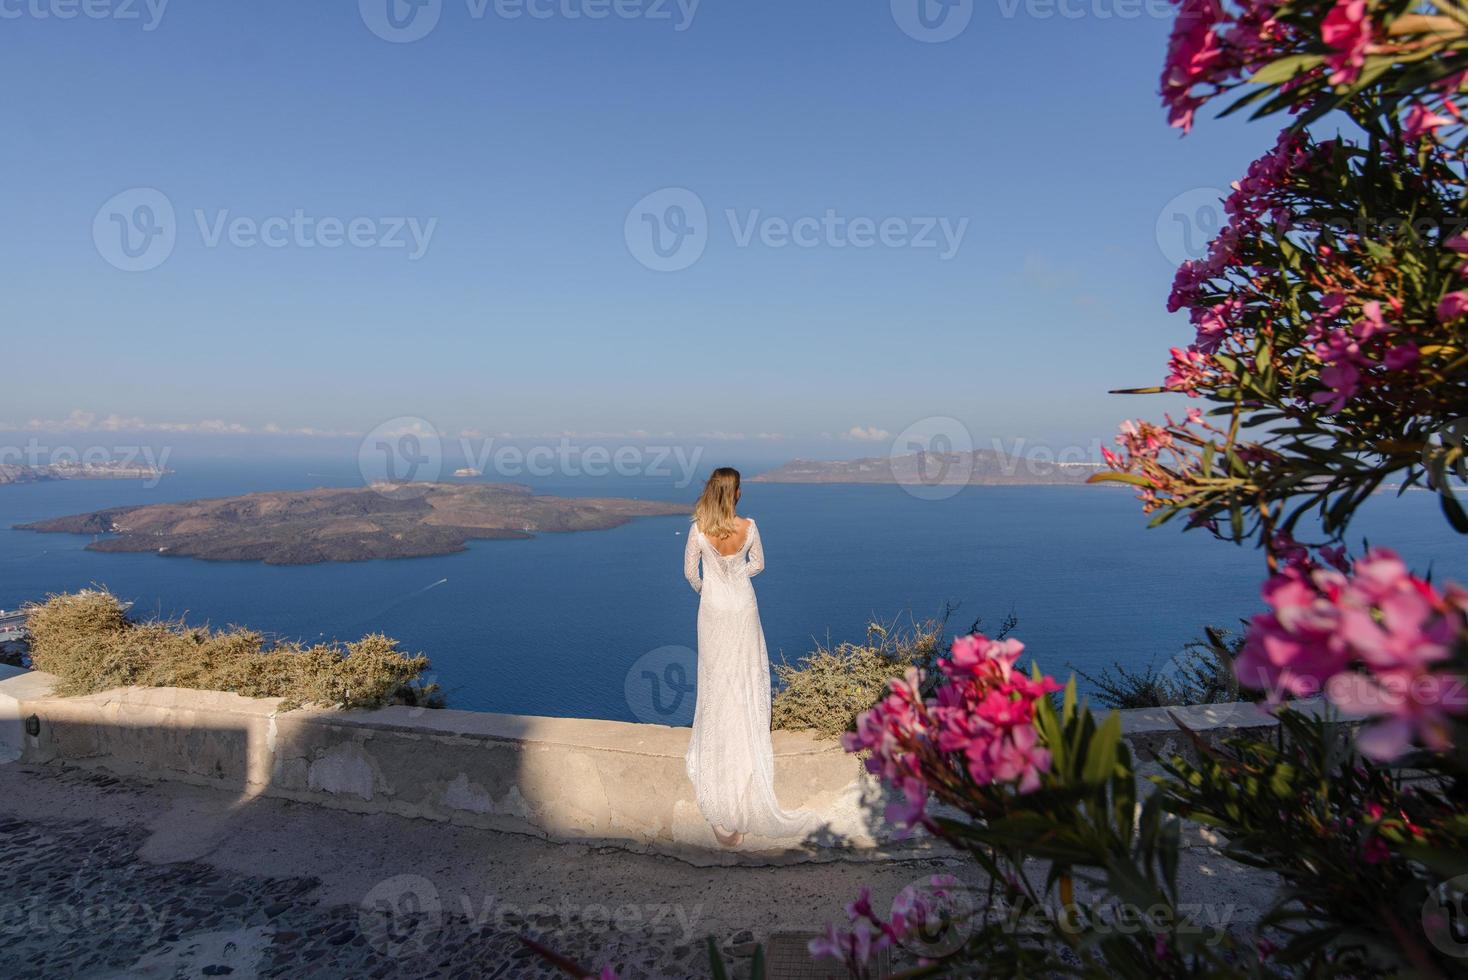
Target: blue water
{"x": 552, "y": 625}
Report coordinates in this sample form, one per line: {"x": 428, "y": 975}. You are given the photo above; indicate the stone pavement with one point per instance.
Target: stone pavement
{"x": 112, "y": 878}
{"x": 118, "y": 878}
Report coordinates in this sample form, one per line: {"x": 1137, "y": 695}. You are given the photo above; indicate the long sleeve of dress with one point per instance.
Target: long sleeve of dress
{"x": 756, "y": 551}
{"x": 690, "y": 559}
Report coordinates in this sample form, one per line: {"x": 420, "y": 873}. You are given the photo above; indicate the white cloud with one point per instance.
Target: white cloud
{"x": 869, "y": 433}
{"x": 83, "y": 421}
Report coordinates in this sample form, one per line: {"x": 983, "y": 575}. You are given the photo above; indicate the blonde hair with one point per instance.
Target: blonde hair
{"x": 714, "y": 512}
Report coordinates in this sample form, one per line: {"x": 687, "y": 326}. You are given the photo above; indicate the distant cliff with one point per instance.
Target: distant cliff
{"x": 303, "y": 527}
{"x": 979, "y": 468}
{"x": 19, "y": 473}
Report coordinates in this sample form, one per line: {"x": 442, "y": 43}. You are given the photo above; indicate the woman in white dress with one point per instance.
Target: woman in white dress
{"x": 730, "y": 761}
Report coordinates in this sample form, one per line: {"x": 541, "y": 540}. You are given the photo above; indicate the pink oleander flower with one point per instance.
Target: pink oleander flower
{"x": 1143, "y": 439}
{"x": 1215, "y": 323}
{"x": 1187, "y": 370}
{"x": 979, "y": 723}
{"x": 1422, "y": 121}
{"x": 1348, "y": 30}
{"x": 978, "y": 655}
{"x": 913, "y": 909}
{"x": 910, "y": 810}
{"x": 1372, "y": 322}
{"x": 1211, "y": 46}
{"x": 1192, "y": 54}
{"x": 1410, "y": 707}
{"x": 1401, "y": 357}
{"x": 854, "y": 947}
{"x": 1453, "y": 305}
{"x": 1020, "y": 759}
{"x": 1294, "y": 648}
{"x": 1342, "y": 380}
{"x": 1370, "y": 639}
{"x": 1459, "y": 244}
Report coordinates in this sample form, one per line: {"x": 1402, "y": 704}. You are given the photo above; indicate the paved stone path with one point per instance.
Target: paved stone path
{"x": 114, "y": 878}
{"x": 111, "y": 878}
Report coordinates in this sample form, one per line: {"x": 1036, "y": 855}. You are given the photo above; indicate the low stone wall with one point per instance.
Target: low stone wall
{"x": 559, "y": 778}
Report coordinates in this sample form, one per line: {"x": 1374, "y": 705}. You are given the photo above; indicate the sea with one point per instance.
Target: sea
{"x": 601, "y": 623}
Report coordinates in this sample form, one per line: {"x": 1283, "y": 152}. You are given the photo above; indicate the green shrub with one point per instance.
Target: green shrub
{"x": 1202, "y": 673}
{"x": 827, "y": 689}
{"x": 87, "y": 640}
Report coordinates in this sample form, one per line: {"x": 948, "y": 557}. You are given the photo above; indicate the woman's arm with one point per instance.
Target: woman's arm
{"x": 756, "y": 550}
{"x": 690, "y": 559}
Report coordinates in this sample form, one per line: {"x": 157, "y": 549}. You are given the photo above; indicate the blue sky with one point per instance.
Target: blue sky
{"x": 522, "y": 144}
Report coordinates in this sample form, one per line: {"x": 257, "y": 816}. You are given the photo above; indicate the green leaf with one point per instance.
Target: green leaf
{"x": 1284, "y": 69}
{"x": 1452, "y": 510}
{"x": 1114, "y": 477}
{"x": 1101, "y": 757}
{"x": 716, "y": 962}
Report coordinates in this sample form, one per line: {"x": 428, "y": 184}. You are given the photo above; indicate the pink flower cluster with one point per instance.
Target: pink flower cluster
{"x": 1212, "y": 45}
{"x": 1347, "y": 30}
{"x": 1369, "y": 637}
{"x": 913, "y": 910}
{"x": 1215, "y": 46}
{"x": 1259, "y": 203}
{"x": 1343, "y": 354}
{"x": 1187, "y": 370}
{"x": 979, "y": 724}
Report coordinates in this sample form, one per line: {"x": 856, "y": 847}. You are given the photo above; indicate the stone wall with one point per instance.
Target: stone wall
{"x": 559, "y": 778}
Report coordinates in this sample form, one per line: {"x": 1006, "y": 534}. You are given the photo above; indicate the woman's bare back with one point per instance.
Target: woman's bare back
{"x": 732, "y": 543}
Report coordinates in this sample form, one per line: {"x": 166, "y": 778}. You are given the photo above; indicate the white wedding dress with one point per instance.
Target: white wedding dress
{"x": 730, "y": 761}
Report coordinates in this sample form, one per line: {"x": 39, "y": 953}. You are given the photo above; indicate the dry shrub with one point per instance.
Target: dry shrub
{"x": 89, "y": 643}
{"x": 828, "y": 688}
